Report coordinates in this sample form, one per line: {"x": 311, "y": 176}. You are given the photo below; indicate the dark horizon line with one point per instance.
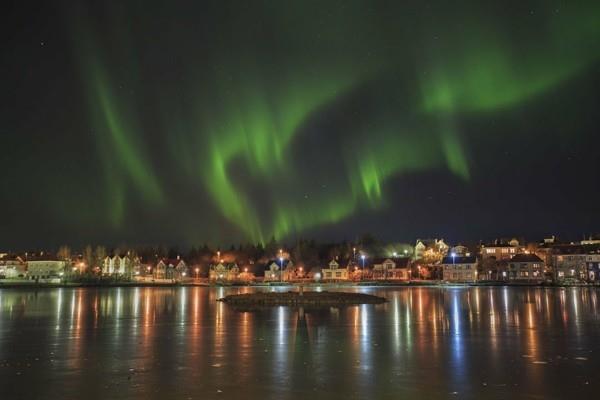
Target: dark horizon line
{"x": 290, "y": 243}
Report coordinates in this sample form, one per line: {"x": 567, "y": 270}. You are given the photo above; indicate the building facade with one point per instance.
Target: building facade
{"x": 459, "y": 269}
{"x": 501, "y": 250}
{"x": 391, "y": 268}
{"x": 45, "y": 269}
{"x": 174, "y": 269}
{"x": 526, "y": 267}
{"x": 334, "y": 272}
{"x": 430, "y": 250}
{"x": 223, "y": 272}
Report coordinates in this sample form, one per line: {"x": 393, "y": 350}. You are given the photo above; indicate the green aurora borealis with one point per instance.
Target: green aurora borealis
{"x": 277, "y": 118}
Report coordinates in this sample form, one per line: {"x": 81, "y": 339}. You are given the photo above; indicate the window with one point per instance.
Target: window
{"x": 490, "y": 251}
{"x": 504, "y": 251}
{"x": 338, "y": 274}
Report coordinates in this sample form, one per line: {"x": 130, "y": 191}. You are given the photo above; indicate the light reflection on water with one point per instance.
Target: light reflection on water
{"x": 181, "y": 343}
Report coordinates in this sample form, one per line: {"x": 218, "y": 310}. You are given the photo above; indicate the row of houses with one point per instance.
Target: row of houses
{"x": 501, "y": 260}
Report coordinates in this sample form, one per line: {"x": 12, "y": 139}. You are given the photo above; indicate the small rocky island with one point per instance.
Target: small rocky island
{"x": 301, "y": 299}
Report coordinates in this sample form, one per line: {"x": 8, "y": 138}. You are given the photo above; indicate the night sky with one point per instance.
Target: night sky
{"x": 220, "y": 122}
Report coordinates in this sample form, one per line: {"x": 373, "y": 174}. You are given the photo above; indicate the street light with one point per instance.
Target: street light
{"x": 197, "y": 271}
{"x": 281, "y": 265}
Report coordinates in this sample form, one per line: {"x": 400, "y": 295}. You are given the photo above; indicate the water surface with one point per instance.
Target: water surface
{"x": 180, "y": 343}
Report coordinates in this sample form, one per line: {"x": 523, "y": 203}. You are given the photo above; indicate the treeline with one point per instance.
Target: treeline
{"x": 305, "y": 252}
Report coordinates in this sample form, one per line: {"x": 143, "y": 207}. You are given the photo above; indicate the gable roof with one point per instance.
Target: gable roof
{"x": 286, "y": 262}
{"x": 525, "y": 258}
{"x": 401, "y": 262}
{"x": 459, "y": 260}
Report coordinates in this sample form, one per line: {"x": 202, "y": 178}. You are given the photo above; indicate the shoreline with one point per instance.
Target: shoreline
{"x": 438, "y": 284}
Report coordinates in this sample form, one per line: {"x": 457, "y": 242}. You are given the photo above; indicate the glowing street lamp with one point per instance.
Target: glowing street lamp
{"x": 281, "y": 272}
{"x": 197, "y": 271}
{"x": 281, "y": 265}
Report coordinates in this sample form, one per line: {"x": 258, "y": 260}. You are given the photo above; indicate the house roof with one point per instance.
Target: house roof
{"x": 286, "y": 262}
{"x": 459, "y": 260}
{"x": 525, "y": 258}
{"x": 45, "y": 257}
{"x": 401, "y": 262}
{"x": 226, "y": 266}
{"x": 172, "y": 261}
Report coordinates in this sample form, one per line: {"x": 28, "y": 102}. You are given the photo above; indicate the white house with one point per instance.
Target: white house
{"x": 273, "y": 270}
{"x": 170, "y": 269}
{"x": 569, "y": 262}
{"x": 430, "y": 249}
{"x": 391, "y": 268}
{"x": 117, "y": 265}
{"x": 223, "y": 272}
{"x": 45, "y": 269}
{"x": 501, "y": 250}
{"x": 334, "y": 272}
{"x": 459, "y": 269}
{"x": 11, "y": 268}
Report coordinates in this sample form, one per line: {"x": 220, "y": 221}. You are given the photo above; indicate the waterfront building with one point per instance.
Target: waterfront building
{"x": 290, "y": 272}
{"x": 570, "y": 262}
{"x": 47, "y": 269}
{"x": 246, "y": 274}
{"x": 391, "y": 268}
{"x": 273, "y": 270}
{"x": 334, "y": 272}
{"x": 117, "y": 265}
{"x": 12, "y": 267}
{"x": 501, "y": 250}
{"x": 526, "y": 267}
{"x": 459, "y": 268}
{"x": 224, "y": 272}
{"x": 430, "y": 250}
{"x": 170, "y": 269}
{"x": 593, "y": 266}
